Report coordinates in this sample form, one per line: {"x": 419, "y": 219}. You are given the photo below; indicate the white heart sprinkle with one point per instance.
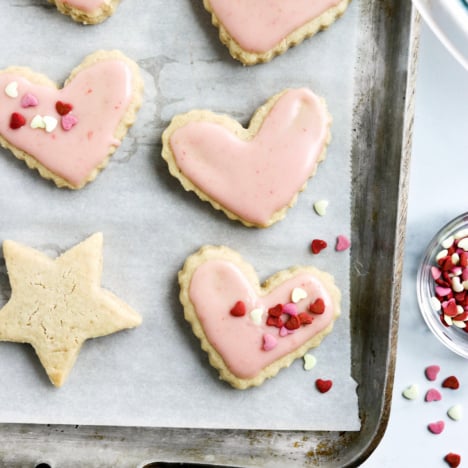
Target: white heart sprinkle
{"x": 37, "y": 122}
{"x": 50, "y": 123}
{"x": 441, "y": 254}
{"x": 447, "y": 243}
{"x": 320, "y": 207}
{"x": 455, "y": 412}
{"x": 298, "y": 294}
{"x": 256, "y": 316}
{"x": 309, "y": 361}
{"x": 411, "y": 392}
{"x": 461, "y": 233}
{"x": 435, "y": 304}
{"x": 463, "y": 244}
{"x": 11, "y": 89}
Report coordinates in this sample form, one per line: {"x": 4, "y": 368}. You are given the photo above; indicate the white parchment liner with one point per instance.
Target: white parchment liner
{"x": 157, "y": 375}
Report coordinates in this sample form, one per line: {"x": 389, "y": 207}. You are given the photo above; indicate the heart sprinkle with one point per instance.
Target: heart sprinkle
{"x": 453, "y": 459}
{"x": 290, "y": 309}
{"x": 411, "y": 392}
{"x": 342, "y": 243}
{"x": 436, "y": 427}
{"x": 320, "y": 207}
{"x": 269, "y": 342}
{"x": 455, "y": 412}
{"x": 63, "y": 108}
{"x": 256, "y": 316}
{"x": 17, "y": 121}
{"x": 276, "y": 310}
{"x": 68, "y": 122}
{"x": 317, "y": 307}
{"x": 37, "y": 122}
{"x": 239, "y": 309}
{"x": 50, "y": 123}
{"x": 451, "y": 382}
{"x": 317, "y": 245}
{"x": 298, "y": 294}
{"x": 11, "y": 89}
{"x": 432, "y": 372}
{"x": 309, "y": 361}
{"x": 285, "y": 332}
{"x": 433, "y": 395}
{"x": 29, "y": 100}
{"x": 323, "y": 386}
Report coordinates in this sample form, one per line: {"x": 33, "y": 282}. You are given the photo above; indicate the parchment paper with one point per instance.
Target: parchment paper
{"x": 157, "y": 375}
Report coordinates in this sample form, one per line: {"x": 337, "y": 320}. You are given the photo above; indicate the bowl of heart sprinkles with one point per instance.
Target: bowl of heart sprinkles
{"x": 442, "y": 285}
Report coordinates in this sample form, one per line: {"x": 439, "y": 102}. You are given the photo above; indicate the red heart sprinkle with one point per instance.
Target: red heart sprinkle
{"x": 453, "y": 459}
{"x": 17, "y": 121}
{"x": 317, "y": 307}
{"x": 323, "y": 385}
{"x": 63, "y": 108}
{"x": 451, "y": 382}
{"x": 276, "y": 310}
{"x": 293, "y": 323}
{"x": 317, "y": 245}
{"x": 239, "y": 309}
{"x": 274, "y": 321}
{"x": 305, "y": 318}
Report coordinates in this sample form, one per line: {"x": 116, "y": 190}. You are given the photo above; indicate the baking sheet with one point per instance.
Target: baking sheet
{"x": 157, "y": 375}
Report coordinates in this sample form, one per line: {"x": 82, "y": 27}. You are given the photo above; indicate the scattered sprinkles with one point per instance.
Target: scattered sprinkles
{"x": 11, "y": 89}
{"x": 323, "y": 386}
{"x": 433, "y": 395}
{"x": 455, "y": 412}
{"x": 317, "y": 246}
{"x": 436, "y": 427}
{"x": 411, "y": 392}
{"x": 309, "y": 361}
{"x": 342, "y": 243}
{"x": 451, "y": 382}
{"x": 453, "y": 459}
{"x": 320, "y": 207}
{"x": 432, "y": 372}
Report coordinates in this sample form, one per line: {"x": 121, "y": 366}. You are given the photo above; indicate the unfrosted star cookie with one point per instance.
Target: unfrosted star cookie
{"x": 256, "y": 31}
{"x": 252, "y": 174}
{"x": 57, "y": 304}
{"x": 87, "y": 11}
{"x": 68, "y": 134}
{"x": 251, "y": 331}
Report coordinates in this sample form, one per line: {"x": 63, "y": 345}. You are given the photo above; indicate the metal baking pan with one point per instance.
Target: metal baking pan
{"x": 388, "y": 42}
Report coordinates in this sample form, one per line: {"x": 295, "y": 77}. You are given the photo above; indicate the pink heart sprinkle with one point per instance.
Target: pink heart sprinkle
{"x": 29, "y": 100}
{"x": 269, "y": 342}
{"x": 436, "y": 427}
{"x": 284, "y": 331}
{"x": 68, "y": 122}
{"x": 441, "y": 291}
{"x": 342, "y": 243}
{"x": 432, "y": 372}
{"x": 433, "y": 395}
{"x": 436, "y": 273}
{"x": 290, "y": 308}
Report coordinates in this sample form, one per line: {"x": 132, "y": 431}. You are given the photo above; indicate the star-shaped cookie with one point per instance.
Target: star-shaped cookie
{"x": 57, "y": 304}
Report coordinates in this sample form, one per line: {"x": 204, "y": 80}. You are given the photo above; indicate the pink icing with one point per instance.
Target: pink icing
{"x": 259, "y": 25}
{"x": 86, "y": 5}
{"x": 100, "y": 95}
{"x": 216, "y": 285}
{"x": 256, "y": 178}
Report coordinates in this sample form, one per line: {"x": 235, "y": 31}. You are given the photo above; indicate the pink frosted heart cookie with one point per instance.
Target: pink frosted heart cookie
{"x": 256, "y": 31}
{"x": 254, "y": 174}
{"x": 68, "y": 134}
{"x": 87, "y": 11}
{"x": 216, "y": 284}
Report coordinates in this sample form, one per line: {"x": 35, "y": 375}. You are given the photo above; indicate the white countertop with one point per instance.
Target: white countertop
{"x": 438, "y": 192}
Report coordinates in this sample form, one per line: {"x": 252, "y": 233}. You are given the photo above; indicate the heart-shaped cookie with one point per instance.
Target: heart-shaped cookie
{"x": 68, "y": 134}
{"x": 253, "y": 174}
{"x": 271, "y": 332}
{"x": 256, "y": 31}
{"x": 87, "y": 11}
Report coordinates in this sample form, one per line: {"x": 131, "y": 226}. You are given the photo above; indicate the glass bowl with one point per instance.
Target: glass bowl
{"x": 449, "y": 329}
